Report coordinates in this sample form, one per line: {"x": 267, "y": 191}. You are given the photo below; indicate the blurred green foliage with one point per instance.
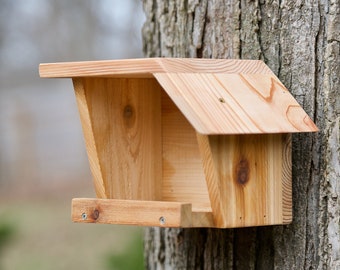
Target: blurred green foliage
{"x": 7, "y": 230}
{"x": 130, "y": 258}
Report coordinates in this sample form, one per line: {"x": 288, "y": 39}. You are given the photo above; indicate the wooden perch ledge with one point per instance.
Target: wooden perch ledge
{"x": 142, "y": 213}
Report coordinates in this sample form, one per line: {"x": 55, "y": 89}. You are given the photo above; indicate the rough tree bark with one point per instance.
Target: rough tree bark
{"x": 300, "y": 41}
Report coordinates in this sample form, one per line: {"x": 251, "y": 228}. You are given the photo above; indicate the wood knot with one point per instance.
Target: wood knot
{"x": 242, "y": 171}
{"x": 95, "y": 214}
{"x": 129, "y": 116}
{"x": 221, "y": 100}
{"x": 128, "y": 111}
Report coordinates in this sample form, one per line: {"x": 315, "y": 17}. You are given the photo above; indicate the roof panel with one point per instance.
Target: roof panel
{"x": 235, "y": 103}
{"x": 217, "y": 96}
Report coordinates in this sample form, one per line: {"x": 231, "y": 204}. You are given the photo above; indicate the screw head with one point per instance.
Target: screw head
{"x": 84, "y": 216}
{"x": 162, "y": 220}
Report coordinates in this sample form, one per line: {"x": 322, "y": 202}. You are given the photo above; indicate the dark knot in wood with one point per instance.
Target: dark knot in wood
{"x": 129, "y": 116}
{"x": 128, "y": 111}
{"x": 242, "y": 171}
{"x": 95, "y": 214}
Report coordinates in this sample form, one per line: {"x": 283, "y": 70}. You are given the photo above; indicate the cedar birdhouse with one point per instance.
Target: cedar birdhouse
{"x": 185, "y": 142}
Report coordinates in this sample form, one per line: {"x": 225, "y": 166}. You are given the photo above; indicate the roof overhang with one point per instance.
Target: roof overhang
{"x": 217, "y": 96}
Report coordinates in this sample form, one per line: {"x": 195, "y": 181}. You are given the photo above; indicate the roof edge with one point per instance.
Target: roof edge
{"x": 145, "y": 67}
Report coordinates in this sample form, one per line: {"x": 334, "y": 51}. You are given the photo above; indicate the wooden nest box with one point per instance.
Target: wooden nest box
{"x": 185, "y": 142}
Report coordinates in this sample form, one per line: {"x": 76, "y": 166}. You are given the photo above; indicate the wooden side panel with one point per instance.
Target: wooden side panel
{"x": 273, "y": 153}
{"x": 90, "y": 142}
{"x": 216, "y": 192}
{"x": 287, "y": 211}
{"x": 183, "y": 175}
{"x": 126, "y": 125}
{"x": 245, "y": 179}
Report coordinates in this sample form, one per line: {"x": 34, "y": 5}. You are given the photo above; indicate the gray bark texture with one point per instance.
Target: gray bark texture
{"x": 300, "y": 41}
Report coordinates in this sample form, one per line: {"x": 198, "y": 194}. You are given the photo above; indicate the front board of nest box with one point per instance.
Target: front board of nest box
{"x": 248, "y": 178}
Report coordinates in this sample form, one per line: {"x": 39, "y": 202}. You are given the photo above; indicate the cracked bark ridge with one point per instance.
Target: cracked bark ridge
{"x": 300, "y": 42}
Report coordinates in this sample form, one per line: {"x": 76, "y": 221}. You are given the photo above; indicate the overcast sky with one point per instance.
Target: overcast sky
{"x": 62, "y": 30}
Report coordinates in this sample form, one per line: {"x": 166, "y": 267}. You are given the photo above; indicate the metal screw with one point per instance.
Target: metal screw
{"x": 162, "y": 220}
{"x": 83, "y": 216}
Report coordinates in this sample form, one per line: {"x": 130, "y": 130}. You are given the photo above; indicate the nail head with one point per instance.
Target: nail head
{"x": 162, "y": 220}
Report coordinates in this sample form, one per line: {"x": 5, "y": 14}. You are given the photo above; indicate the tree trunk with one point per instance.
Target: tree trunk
{"x": 300, "y": 42}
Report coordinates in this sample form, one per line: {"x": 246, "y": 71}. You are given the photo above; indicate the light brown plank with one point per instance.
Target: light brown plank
{"x": 125, "y": 116}
{"x": 202, "y": 217}
{"x": 217, "y": 193}
{"x": 90, "y": 142}
{"x": 287, "y": 211}
{"x": 145, "y": 67}
{"x": 131, "y": 212}
{"x": 183, "y": 175}
{"x": 245, "y": 179}
{"x": 235, "y": 103}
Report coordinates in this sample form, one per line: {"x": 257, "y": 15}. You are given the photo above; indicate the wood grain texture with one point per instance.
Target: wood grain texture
{"x": 190, "y": 137}
{"x": 141, "y": 213}
{"x": 245, "y": 179}
{"x": 202, "y": 218}
{"x": 216, "y": 96}
{"x": 125, "y": 117}
{"x": 131, "y": 212}
{"x": 215, "y": 191}
{"x": 147, "y": 150}
{"x": 90, "y": 141}
{"x": 287, "y": 192}
{"x": 145, "y": 67}
{"x": 183, "y": 175}
{"x": 235, "y": 103}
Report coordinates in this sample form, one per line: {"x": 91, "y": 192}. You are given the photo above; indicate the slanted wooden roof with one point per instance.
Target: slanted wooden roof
{"x": 217, "y": 96}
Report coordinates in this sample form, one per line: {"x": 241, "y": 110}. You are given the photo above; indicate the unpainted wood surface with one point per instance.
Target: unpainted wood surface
{"x": 216, "y": 96}
{"x": 131, "y": 212}
{"x": 235, "y": 103}
{"x": 245, "y": 179}
{"x": 90, "y": 142}
{"x": 215, "y": 191}
{"x": 145, "y": 67}
{"x": 183, "y": 175}
{"x": 287, "y": 192}
{"x": 142, "y": 147}
{"x": 125, "y": 119}
{"x": 141, "y": 213}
